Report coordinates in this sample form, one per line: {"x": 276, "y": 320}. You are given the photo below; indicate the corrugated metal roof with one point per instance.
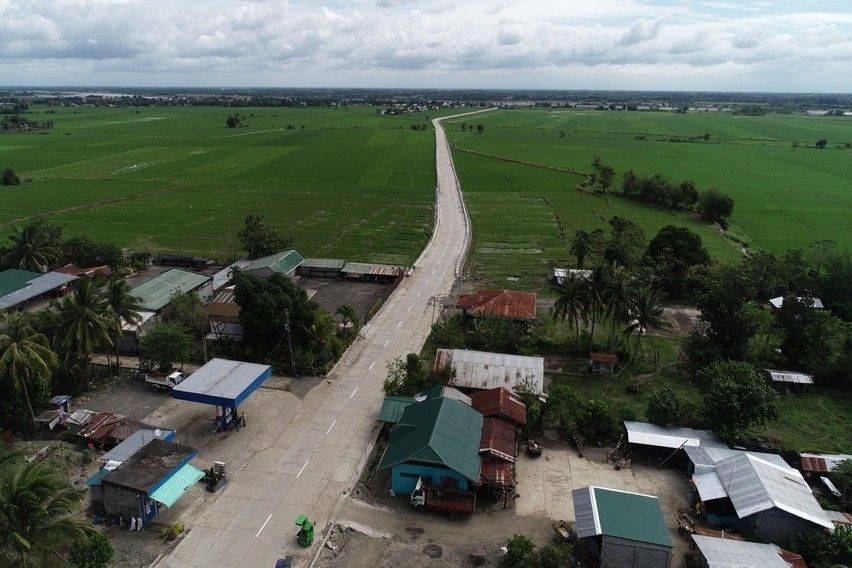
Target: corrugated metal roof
{"x": 283, "y": 262}
{"x": 622, "y": 514}
{"x": 726, "y": 553}
{"x": 611, "y": 358}
{"x": 148, "y": 468}
{"x": 392, "y": 407}
{"x": 756, "y": 485}
{"x": 438, "y": 431}
{"x": 156, "y": 293}
{"x": 790, "y": 377}
{"x": 41, "y": 284}
{"x": 483, "y": 370}
{"x": 224, "y": 276}
{"x": 822, "y": 463}
{"x": 144, "y": 317}
{"x": 499, "y": 303}
{"x": 367, "y": 269}
{"x": 326, "y": 263}
{"x": 15, "y": 279}
{"x": 135, "y": 442}
{"x": 498, "y": 438}
{"x": 649, "y": 434}
{"x": 559, "y": 273}
{"x": 500, "y": 402}
{"x": 222, "y": 382}
{"x": 813, "y": 302}
{"x": 705, "y": 457}
{"x": 708, "y": 486}
{"x": 177, "y": 484}
{"x": 497, "y": 472}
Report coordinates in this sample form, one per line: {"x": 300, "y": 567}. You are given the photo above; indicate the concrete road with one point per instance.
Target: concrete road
{"x": 312, "y": 462}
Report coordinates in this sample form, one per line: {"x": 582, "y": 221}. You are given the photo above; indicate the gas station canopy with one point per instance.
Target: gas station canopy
{"x": 223, "y": 383}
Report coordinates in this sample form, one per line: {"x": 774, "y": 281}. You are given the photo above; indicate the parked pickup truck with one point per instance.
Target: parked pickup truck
{"x": 163, "y": 381}
{"x": 455, "y": 502}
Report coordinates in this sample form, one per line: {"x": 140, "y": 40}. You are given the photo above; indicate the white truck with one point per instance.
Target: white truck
{"x": 162, "y": 381}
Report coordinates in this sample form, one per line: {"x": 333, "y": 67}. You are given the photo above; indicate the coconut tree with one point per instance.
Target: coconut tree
{"x": 124, "y": 306}
{"x": 647, "y": 314}
{"x": 39, "y": 516}
{"x": 85, "y": 324}
{"x": 349, "y": 316}
{"x": 617, "y": 297}
{"x": 595, "y": 296}
{"x": 25, "y": 355}
{"x": 570, "y": 303}
{"x": 32, "y": 247}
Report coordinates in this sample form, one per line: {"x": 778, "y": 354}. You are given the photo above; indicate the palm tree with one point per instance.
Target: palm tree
{"x": 348, "y": 314}
{"x": 85, "y": 324}
{"x": 647, "y": 314}
{"x": 570, "y": 304}
{"x": 25, "y": 355}
{"x": 124, "y": 306}
{"x": 31, "y": 247}
{"x": 617, "y": 297}
{"x": 38, "y": 515}
{"x": 596, "y": 293}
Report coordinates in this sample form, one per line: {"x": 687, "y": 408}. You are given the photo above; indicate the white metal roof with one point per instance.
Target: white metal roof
{"x": 705, "y": 457}
{"x": 561, "y": 273}
{"x": 36, "y": 287}
{"x": 708, "y": 486}
{"x": 790, "y": 377}
{"x": 144, "y": 317}
{"x": 754, "y": 485}
{"x": 729, "y": 553}
{"x": 483, "y": 370}
{"x": 649, "y": 434}
{"x": 779, "y": 301}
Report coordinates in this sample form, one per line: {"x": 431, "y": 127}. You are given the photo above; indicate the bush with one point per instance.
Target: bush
{"x": 95, "y": 552}
{"x": 664, "y": 407}
{"x": 172, "y": 531}
{"x": 520, "y": 552}
{"x": 9, "y": 177}
{"x": 825, "y": 550}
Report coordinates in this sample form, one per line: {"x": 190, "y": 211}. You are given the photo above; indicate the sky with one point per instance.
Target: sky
{"x": 719, "y": 45}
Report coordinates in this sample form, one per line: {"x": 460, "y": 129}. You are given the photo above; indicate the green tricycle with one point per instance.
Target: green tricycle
{"x": 306, "y": 531}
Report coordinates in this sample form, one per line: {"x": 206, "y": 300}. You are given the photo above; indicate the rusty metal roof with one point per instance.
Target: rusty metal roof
{"x": 500, "y": 402}
{"x": 498, "y": 439}
{"x": 496, "y": 472}
{"x": 364, "y": 268}
{"x": 499, "y": 303}
{"x": 822, "y": 463}
{"x": 604, "y": 357}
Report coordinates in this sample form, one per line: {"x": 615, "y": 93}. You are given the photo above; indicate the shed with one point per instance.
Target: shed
{"x": 822, "y": 463}
{"x": 89, "y": 272}
{"x": 621, "y": 529}
{"x": 501, "y": 403}
{"x": 727, "y": 553}
{"x": 224, "y": 384}
{"x": 223, "y": 314}
{"x": 789, "y": 379}
{"x": 647, "y": 434}
{"x": 106, "y": 429}
{"x": 322, "y": 267}
{"x": 437, "y": 439}
{"x": 377, "y": 272}
{"x": 703, "y": 458}
{"x": 484, "y": 370}
{"x": 132, "y": 333}
{"x": 498, "y": 439}
{"x": 507, "y": 304}
{"x": 561, "y": 274}
{"x": 603, "y": 363}
{"x": 156, "y": 293}
{"x": 19, "y": 288}
{"x": 284, "y": 262}
{"x": 778, "y": 303}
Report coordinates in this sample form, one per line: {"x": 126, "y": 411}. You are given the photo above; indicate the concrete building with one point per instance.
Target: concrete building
{"x": 20, "y": 289}
{"x": 619, "y": 529}
{"x": 284, "y": 263}
{"x": 437, "y": 439}
{"x": 483, "y": 370}
{"x": 155, "y": 294}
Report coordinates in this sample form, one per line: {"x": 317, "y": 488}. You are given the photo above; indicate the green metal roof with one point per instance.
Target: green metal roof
{"x": 393, "y": 406}
{"x": 283, "y": 262}
{"x": 438, "y": 431}
{"x": 631, "y": 515}
{"x": 331, "y": 263}
{"x": 173, "y": 489}
{"x": 13, "y": 280}
{"x": 156, "y": 293}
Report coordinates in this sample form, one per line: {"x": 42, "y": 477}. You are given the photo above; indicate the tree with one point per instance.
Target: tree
{"x": 94, "y": 552}
{"x": 647, "y": 313}
{"x": 625, "y": 243}
{"x": 580, "y": 246}
{"x": 85, "y": 252}
{"x": 25, "y": 355}
{"x": 85, "y": 323}
{"x": 821, "y": 143}
{"x": 520, "y": 549}
{"x": 553, "y": 556}
{"x": 672, "y": 252}
{"x": 261, "y": 240}
{"x": 125, "y": 308}
{"x": 9, "y": 177}
{"x": 235, "y": 120}
{"x": 570, "y": 302}
{"x": 841, "y": 476}
{"x": 664, "y": 407}
{"x": 33, "y": 246}
{"x": 716, "y": 207}
{"x": 480, "y": 128}
{"x": 602, "y": 174}
{"x": 407, "y": 377}
{"x": 186, "y": 310}
{"x": 164, "y": 345}
{"x": 350, "y": 317}
{"x": 815, "y": 341}
{"x": 618, "y": 297}
{"x": 736, "y": 397}
{"x": 39, "y": 516}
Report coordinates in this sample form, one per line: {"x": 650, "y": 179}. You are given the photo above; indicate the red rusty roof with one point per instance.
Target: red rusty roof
{"x": 604, "y": 357}
{"x": 500, "y": 402}
{"x": 793, "y": 559}
{"x": 814, "y": 463}
{"x": 100, "y": 425}
{"x": 75, "y": 270}
{"x": 500, "y": 303}
{"x": 498, "y": 438}
{"x": 496, "y": 472}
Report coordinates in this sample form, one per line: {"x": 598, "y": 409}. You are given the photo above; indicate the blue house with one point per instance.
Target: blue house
{"x": 438, "y": 440}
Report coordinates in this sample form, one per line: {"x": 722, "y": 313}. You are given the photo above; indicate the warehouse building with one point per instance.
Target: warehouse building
{"x": 284, "y": 263}
{"x": 620, "y": 529}
{"x": 484, "y": 371}
{"x": 155, "y": 294}
{"x": 21, "y": 289}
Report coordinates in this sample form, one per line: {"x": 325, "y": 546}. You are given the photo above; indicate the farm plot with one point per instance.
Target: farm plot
{"x": 342, "y": 182}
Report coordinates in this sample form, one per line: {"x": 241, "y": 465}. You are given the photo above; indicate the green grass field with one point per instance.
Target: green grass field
{"x": 349, "y": 184}
{"x": 785, "y": 197}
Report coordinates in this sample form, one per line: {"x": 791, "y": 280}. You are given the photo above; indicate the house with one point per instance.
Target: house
{"x": 223, "y": 314}
{"x": 438, "y": 440}
{"x": 501, "y": 403}
{"x": 20, "y": 289}
{"x": 155, "y": 294}
{"x": 789, "y": 379}
{"x": 385, "y": 273}
{"x": 284, "y": 263}
{"x": 766, "y": 501}
{"x": 507, "y": 304}
{"x": 155, "y": 476}
{"x": 603, "y": 363}
{"x": 483, "y": 370}
{"x": 322, "y": 267}
{"x": 561, "y": 274}
{"x": 620, "y": 529}
{"x": 91, "y": 272}
{"x": 777, "y": 303}
{"x": 727, "y": 553}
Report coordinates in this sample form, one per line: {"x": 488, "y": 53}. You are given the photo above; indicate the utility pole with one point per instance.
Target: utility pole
{"x": 289, "y": 340}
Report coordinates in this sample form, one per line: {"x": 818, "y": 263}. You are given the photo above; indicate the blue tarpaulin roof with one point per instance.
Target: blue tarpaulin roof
{"x": 175, "y": 486}
{"x": 222, "y": 382}
{"x": 96, "y": 479}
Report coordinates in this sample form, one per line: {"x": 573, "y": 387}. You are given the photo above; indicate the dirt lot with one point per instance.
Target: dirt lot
{"x": 331, "y": 293}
